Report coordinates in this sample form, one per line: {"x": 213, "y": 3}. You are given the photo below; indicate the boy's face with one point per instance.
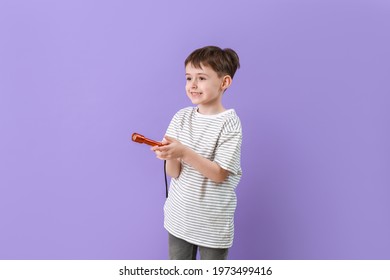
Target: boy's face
{"x": 204, "y": 88}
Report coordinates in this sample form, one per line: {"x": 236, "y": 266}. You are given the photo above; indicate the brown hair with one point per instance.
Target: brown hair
{"x": 222, "y": 61}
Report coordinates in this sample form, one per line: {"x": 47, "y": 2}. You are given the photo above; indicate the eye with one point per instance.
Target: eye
{"x": 202, "y": 78}
{"x": 188, "y": 78}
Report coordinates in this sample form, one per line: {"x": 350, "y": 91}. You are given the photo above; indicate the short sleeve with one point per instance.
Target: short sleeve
{"x": 228, "y": 152}
{"x": 173, "y": 128}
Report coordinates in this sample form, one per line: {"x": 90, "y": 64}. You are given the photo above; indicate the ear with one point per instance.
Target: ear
{"x": 226, "y": 82}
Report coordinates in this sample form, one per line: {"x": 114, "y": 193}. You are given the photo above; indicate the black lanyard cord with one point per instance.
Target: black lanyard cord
{"x": 166, "y": 181}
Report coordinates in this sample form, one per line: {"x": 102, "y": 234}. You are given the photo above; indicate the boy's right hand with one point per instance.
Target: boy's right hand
{"x": 172, "y": 149}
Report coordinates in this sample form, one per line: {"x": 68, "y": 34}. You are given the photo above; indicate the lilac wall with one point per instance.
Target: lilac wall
{"x": 78, "y": 77}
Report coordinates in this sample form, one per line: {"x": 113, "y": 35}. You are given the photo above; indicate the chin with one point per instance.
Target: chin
{"x": 194, "y": 101}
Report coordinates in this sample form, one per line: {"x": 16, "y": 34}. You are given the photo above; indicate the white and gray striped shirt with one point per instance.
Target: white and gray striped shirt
{"x": 198, "y": 209}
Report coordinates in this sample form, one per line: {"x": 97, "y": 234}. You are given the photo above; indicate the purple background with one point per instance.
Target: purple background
{"x": 77, "y": 77}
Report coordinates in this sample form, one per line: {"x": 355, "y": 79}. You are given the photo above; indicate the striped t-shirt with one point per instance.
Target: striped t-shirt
{"x": 198, "y": 209}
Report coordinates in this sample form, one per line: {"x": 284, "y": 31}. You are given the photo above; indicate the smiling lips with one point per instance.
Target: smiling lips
{"x": 195, "y": 93}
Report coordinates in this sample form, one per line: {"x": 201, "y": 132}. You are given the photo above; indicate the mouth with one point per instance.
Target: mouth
{"x": 193, "y": 93}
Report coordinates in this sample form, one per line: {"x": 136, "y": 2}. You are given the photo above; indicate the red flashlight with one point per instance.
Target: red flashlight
{"x": 136, "y": 137}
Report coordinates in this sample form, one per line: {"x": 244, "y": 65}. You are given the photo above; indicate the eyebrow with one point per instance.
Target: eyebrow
{"x": 198, "y": 74}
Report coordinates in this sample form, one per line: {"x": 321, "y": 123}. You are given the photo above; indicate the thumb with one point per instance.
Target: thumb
{"x": 169, "y": 139}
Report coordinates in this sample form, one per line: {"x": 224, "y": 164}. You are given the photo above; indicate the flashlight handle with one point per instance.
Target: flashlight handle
{"x": 151, "y": 142}
{"x": 136, "y": 137}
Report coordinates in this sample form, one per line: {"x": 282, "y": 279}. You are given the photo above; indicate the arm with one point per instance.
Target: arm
{"x": 206, "y": 167}
{"x": 173, "y": 167}
{"x": 173, "y": 151}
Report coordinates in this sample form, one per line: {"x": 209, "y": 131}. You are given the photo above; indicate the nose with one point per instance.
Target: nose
{"x": 194, "y": 83}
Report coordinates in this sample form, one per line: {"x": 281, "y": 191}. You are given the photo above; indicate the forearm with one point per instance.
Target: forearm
{"x": 173, "y": 167}
{"x": 206, "y": 167}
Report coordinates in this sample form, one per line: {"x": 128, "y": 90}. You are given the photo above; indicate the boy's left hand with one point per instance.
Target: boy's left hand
{"x": 172, "y": 149}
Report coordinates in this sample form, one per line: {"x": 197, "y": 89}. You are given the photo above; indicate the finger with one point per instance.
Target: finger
{"x": 163, "y": 148}
{"x": 155, "y": 148}
{"x": 161, "y": 156}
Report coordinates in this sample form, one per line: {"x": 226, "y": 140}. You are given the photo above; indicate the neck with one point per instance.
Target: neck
{"x": 210, "y": 111}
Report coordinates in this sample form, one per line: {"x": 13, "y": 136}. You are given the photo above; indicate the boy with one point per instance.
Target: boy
{"x": 202, "y": 153}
